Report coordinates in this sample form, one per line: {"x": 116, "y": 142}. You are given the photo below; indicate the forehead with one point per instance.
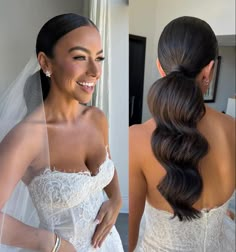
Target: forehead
{"x": 85, "y": 36}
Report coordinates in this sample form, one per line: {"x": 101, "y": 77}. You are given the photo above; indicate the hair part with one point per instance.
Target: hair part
{"x": 186, "y": 45}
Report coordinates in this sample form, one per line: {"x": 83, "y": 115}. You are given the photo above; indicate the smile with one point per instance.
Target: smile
{"x": 86, "y": 84}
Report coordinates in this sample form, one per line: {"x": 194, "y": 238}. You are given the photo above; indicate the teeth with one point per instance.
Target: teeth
{"x": 89, "y": 84}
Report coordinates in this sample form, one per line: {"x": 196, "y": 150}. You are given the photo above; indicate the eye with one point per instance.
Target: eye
{"x": 100, "y": 59}
{"x": 79, "y": 58}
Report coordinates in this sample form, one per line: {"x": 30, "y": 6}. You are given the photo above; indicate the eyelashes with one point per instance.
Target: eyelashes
{"x": 100, "y": 59}
{"x": 82, "y": 58}
{"x": 79, "y": 58}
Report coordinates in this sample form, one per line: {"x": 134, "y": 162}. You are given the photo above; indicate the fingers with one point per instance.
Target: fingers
{"x": 102, "y": 236}
{"x": 230, "y": 214}
{"x": 100, "y": 216}
{"x": 105, "y": 219}
{"x": 98, "y": 232}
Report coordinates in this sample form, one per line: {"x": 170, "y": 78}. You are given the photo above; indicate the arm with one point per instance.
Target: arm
{"x": 109, "y": 211}
{"x": 112, "y": 189}
{"x": 17, "y": 151}
{"x": 137, "y": 187}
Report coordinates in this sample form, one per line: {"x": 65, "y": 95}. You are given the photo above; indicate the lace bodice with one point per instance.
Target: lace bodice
{"x": 213, "y": 232}
{"x": 68, "y": 203}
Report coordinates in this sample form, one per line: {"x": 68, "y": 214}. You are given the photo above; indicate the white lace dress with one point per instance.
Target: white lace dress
{"x": 213, "y": 232}
{"x": 68, "y": 203}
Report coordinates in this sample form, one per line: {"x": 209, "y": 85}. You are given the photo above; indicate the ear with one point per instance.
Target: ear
{"x": 44, "y": 62}
{"x": 159, "y": 67}
{"x": 205, "y": 76}
{"x": 207, "y": 72}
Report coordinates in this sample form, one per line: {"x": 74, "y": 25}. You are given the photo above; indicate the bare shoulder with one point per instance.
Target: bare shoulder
{"x": 27, "y": 134}
{"x": 224, "y": 123}
{"x": 98, "y": 120}
{"x": 96, "y": 115}
{"x": 140, "y": 132}
{"x": 139, "y": 139}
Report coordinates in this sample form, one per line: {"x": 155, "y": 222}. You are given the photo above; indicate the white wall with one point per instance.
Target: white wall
{"x": 149, "y": 20}
{"x": 226, "y": 81}
{"x": 220, "y": 14}
{"x": 20, "y": 22}
{"x": 119, "y": 94}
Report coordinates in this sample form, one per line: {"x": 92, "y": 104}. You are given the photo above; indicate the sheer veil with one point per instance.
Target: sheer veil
{"x": 19, "y": 100}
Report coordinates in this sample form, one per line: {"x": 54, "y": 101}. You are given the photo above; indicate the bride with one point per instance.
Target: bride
{"x": 182, "y": 161}
{"x": 59, "y": 149}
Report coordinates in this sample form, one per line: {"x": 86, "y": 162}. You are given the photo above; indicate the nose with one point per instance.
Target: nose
{"x": 94, "y": 69}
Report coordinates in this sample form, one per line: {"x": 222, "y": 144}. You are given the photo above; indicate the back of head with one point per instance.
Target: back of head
{"x": 186, "y": 46}
{"x": 51, "y": 32}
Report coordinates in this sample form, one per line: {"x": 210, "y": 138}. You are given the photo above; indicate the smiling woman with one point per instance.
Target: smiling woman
{"x": 46, "y": 151}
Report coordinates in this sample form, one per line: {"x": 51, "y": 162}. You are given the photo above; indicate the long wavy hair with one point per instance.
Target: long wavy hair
{"x": 186, "y": 46}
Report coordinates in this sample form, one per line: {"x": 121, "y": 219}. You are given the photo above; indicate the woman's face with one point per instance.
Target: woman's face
{"x": 76, "y": 65}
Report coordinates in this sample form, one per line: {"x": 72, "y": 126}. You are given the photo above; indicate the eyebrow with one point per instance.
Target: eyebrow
{"x": 83, "y": 49}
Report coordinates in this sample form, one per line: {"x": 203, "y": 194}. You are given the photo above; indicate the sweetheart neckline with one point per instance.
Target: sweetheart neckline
{"x": 203, "y": 210}
{"x": 83, "y": 173}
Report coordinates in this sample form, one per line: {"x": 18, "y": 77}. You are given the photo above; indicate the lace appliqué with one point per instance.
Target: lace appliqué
{"x": 213, "y": 232}
{"x": 68, "y": 203}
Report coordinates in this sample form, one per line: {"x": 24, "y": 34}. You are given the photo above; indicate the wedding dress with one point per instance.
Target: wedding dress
{"x": 68, "y": 203}
{"x": 213, "y": 232}
{"x": 64, "y": 203}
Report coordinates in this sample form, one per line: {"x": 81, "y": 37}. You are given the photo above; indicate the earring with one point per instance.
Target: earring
{"x": 206, "y": 83}
{"x": 48, "y": 74}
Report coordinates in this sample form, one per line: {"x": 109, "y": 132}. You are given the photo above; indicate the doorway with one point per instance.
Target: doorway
{"x": 137, "y": 47}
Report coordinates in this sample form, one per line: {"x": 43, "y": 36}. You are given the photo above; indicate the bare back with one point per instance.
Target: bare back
{"x": 217, "y": 167}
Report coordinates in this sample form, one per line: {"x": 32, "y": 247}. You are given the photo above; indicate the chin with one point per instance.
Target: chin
{"x": 84, "y": 101}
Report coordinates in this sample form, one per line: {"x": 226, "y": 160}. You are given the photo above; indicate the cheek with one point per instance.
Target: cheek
{"x": 68, "y": 70}
{"x": 100, "y": 70}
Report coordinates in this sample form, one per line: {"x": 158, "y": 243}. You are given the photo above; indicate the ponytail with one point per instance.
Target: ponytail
{"x": 177, "y": 105}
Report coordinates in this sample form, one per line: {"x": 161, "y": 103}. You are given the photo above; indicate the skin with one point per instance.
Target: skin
{"x": 70, "y": 126}
{"x": 217, "y": 167}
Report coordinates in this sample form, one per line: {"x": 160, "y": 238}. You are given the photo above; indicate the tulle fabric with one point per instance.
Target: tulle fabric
{"x": 22, "y": 96}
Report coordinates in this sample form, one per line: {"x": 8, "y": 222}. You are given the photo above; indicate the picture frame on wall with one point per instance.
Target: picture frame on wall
{"x": 210, "y": 94}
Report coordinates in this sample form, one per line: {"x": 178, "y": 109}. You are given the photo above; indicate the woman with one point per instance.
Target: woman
{"x": 182, "y": 166}
{"x": 59, "y": 150}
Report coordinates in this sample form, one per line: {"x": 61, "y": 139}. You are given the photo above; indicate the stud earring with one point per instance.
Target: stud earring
{"x": 206, "y": 83}
{"x": 48, "y": 74}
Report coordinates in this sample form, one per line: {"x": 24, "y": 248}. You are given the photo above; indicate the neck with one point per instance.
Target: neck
{"x": 59, "y": 108}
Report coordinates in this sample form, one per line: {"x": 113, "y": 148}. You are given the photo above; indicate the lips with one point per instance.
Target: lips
{"x": 88, "y": 87}
{"x": 86, "y": 84}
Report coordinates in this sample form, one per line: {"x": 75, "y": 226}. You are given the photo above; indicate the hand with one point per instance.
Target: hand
{"x": 230, "y": 214}
{"x": 106, "y": 218}
{"x": 66, "y": 246}
{"x": 47, "y": 241}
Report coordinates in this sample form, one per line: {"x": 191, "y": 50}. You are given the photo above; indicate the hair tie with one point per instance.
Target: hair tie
{"x": 178, "y": 69}
{"x": 182, "y": 71}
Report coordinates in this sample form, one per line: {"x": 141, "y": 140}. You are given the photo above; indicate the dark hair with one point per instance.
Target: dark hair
{"x": 51, "y": 32}
{"x": 186, "y": 45}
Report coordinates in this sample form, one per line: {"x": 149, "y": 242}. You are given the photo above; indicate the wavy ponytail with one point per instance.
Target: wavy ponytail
{"x": 176, "y": 104}
{"x": 186, "y": 45}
